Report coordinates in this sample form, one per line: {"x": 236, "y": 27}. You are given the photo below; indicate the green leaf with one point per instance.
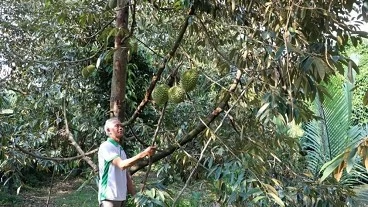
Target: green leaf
{"x": 277, "y": 199}
{"x": 279, "y": 52}
{"x": 320, "y": 66}
{"x": 330, "y": 166}
{"x": 6, "y": 111}
{"x": 306, "y": 63}
{"x": 262, "y": 109}
{"x": 351, "y": 160}
{"x": 258, "y": 198}
{"x": 365, "y": 98}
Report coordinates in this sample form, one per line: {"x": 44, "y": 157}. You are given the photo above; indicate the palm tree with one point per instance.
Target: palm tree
{"x": 333, "y": 145}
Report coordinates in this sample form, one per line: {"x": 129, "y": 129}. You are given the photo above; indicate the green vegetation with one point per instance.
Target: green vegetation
{"x": 275, "y": 116}
{"x": 63, "y": 193}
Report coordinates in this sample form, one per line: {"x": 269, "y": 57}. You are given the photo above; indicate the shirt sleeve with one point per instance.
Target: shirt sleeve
{"x": 108, "y": 152}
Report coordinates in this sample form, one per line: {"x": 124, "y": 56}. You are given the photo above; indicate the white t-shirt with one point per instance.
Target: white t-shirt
{"x": 112, "y": 180}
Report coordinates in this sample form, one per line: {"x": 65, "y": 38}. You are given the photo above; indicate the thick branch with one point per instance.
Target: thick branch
{"x": 161, "y": 68}
{"x": 132, "y": 26}
{"x": 192, "y": 134}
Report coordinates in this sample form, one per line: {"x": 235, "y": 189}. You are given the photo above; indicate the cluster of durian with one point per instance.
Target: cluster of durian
{"x": 176, "y": 94}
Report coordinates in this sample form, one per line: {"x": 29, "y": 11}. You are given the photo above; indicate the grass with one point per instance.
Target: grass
{"x": 87, "y": 197}
{"x": 63, "y": 193}
{"x": 9, "y": 200}
{"x": 79, "y": 193}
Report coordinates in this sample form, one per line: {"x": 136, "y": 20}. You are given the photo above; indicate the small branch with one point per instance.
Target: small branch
{"x": 144, "y": 44}
{"x": 153, "y": 143}
{"x": 59, "y": 159}
{"x": 192, "y": 172}
{"x": 161, "y": 8}
{"x": 102, "y": 29}
{"x": 52, "y": 180}
{"x": 75, "y": 144}
{"x": 213, "y": 45}
{"x": 59, "y": 62}
{"x": 137, "y": 138}
{"x": 17, "y": 90}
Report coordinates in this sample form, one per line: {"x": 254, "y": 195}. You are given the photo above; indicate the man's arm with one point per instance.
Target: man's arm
{"x": 130, "y": 186}
{"x": 124, "y": 164}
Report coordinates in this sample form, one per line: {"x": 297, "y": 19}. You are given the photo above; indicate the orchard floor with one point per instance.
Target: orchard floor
{"x": 63, "y": 193}
{"x": 77, "y": 192}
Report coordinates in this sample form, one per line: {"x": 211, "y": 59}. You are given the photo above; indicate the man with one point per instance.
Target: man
{"x": 115, "y": 181}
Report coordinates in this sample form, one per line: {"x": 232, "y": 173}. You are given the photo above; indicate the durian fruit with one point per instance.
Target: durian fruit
{"x": 87, "y": 71}
{"x": 113, "y": 4}
{"x": 160, "y": 94}
{"x": 188, "y": 79}
{"x": 176, "y": 94}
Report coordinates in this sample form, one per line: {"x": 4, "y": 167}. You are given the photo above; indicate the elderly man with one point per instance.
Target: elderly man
{"x": 115, "y": 181}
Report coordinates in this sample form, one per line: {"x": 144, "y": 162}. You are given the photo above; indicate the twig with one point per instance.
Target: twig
{"x": 137, "y": 138}
{"x": 144, "y": 44}
{"x": 192, "y": 172}
{"x": 59, "y": 62}
{"x": 102, "y": 29}
{"x": 62, "y": 159}
{"x": 75, "y": 144}
{"x": 213, "y": 45}
{"x": 153, "y": 143}
{"x": 17, "y": 90}
{"x": 51, "y": 184}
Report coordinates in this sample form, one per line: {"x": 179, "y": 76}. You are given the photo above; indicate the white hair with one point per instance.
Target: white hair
{"x": 108, "y": 124}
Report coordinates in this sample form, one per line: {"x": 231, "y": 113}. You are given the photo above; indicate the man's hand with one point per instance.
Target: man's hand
{"x": 124, "y": 164}
{"x": 149, "y": 151}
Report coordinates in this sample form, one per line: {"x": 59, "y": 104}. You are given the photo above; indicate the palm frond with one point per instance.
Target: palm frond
{"x": 361, "y": 196}
{"x": 327, "y": 137}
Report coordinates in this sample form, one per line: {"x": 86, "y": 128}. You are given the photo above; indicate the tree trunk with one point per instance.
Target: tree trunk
{"x": 118, "y": 82}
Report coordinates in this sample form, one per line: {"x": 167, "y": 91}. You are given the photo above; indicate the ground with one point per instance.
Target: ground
{"x": 71, "y": 192}
{"x": 79, "y": 192}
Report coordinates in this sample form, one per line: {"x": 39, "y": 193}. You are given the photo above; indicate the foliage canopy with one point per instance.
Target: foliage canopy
{"x": 260, "y": 65}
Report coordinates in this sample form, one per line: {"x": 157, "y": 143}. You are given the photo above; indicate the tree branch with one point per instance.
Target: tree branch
{"x": 132, "y": 26}
{"x": 145, "y": 45}
{"x": 75, "y": 144}
{"x": 152, "y": 144}
{"x": 61, "y": 159}
{"x": 51, "y": 184}
{"x": 17, "y": 90}
{"x": 192, "y": 134}
{"x": 161, "y": 68}
{"x": 192, "y": 172}
{"x": 101, "y": 30}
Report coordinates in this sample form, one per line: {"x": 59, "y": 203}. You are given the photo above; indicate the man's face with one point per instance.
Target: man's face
{"x": 116, "y": 130}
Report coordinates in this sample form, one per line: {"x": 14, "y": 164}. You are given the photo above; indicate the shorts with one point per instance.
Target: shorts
{"x": 110, "y": 203}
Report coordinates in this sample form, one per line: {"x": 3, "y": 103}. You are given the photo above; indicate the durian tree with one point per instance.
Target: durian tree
{"x": 258, "y": 64}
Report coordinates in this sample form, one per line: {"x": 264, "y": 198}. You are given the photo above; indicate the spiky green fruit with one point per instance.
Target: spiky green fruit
{"x": 87, "y": 71}
{"x": 160, "y": 94}
{"x": 113, "y": 4}
{"x": 176, "y": 94}
{"x": 188, "y": 79}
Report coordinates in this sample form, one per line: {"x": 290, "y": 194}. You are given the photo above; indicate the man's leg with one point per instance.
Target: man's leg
{"x": 108, "y": 203}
